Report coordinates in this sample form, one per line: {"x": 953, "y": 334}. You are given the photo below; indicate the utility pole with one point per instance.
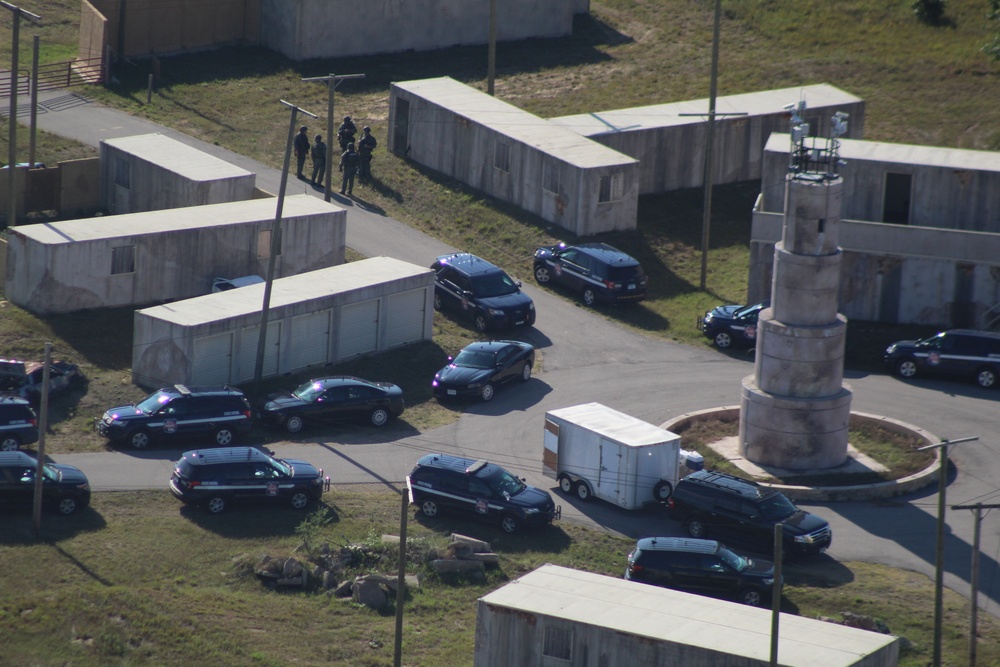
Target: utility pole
{"x": 15, "y": 37}
{"x": 939, "y": 550}
{"x": 974, "y": 577}
{"x": 776, "y": 591}
{"x": 491, "y": 64}
{"x": 401, "y": 579}
{"x": 332, "y": 81}
{"x": 33, "y": 125}
{"x": 43, "y": 424}
{"x": 275, "y": 246}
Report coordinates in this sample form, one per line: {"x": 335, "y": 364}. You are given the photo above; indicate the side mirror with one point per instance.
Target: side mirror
{"x": 517, "y": 282}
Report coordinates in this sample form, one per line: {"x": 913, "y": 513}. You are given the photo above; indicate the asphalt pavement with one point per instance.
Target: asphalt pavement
{"x": 587, "y": 357}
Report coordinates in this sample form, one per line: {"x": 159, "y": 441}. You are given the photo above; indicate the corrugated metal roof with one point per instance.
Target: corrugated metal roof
{"x": 519, "y": 125}
{"x": 614, "y": 425}
{"x": 877, "y": 151}
{"x": 172, "y": 219}
{"x": 286, "y": 291}
{"x": 666, "y": 115}
{"x": 177, "y": 157}
{"x": 662, "y": 614}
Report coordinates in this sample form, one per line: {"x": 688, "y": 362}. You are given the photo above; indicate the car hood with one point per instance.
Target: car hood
{"x": 453, "y": 374}
{"x": 125, "y": 412}
{"x": 69, "y": 474}
{"x": 546, "y": 250}
{"x": 391, "y": 389}
{"x": 532, "y": 497}
{"x": 725, "y": 312}
{"x": 904, "y": 345}
{"x": 302, "y": 469}
{"x": 283, "y": 400}
{"x": 507, "y": 301}
{"x": 760, "y": 567}
{"x": 803, "y": 523}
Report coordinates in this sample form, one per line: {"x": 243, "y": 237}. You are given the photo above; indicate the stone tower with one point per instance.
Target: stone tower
{"x": 795, "y": 409}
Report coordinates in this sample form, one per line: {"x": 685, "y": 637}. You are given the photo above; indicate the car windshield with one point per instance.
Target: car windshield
{"x": 308, "y": 392}
{"x": 153, "y": 402}
{"x": 493, "y": 284}
{"x": 505, "y": 484}
{"x": 474, "y": 359}
{"x": 777, "y": 507}
{"x": 748, "y": 310}
{"x": 48, "y": 472}
{"x": 284, "y": 467}
{"x": 735, "y": 561}
{"x": 933, "y": 341}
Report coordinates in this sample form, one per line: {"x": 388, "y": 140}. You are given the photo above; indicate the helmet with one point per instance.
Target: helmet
{"x": 351, "y": 145}
{"x": 319, "y": 137}
{"x": 303, "y": 128}
{"x": 367, "y": 129}
{"x": 347, "y": 118}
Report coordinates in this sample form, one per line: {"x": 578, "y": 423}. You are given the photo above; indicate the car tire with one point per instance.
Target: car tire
{"x": 437, "y": 301}
{"x": 986, "y": 378}
{"x": 906, "y": 368}
{"x": 542, "y": 275}
{"x": 294, "y": 423}
{"x": 589, "y": 297}
{"x": 487, "y": 392}
{"x": 140, "y": 439}
{"x": 565, "y": 484}
{"x": 696, "y": 529}
{"x": 723, "y": 340}
{"x": 526, "y": 371}
{"x": 379, "y": 417}
{"x": 481, "y": 323}
{"x": 300, "y": 500}
{"x": 662, "y": 491}
{"x": 751, "y": 597}
{"x": 583, "y": 491}
{"x": 510, "y": 524}
{"x": 67, "y": 506}
{"x": 215, "y": 504}
{"x": 223, "y": 437}
{"x": 429, "y": 509}
{"x": 10, "y": 444}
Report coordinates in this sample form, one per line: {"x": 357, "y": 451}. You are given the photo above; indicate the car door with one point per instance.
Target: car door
{"x": 504, "y": 361}
{"x": 735, "y": 520}
{"x": 332, "y": 405}
{"x": 10, "y": 485}
{"x": 715, "y": 576}
{"x": 175, "y": 418}
{"x": 451, "y": 286}
{"x": 572, "y": 268}
{"x": 960, "y": 354}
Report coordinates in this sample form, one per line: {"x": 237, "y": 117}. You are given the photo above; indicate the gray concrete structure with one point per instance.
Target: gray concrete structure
{"x": 315, "y": 318}
{"x": 937, "y": 263}
{"x": 143, "y": 258}
{"x": 560, "y": 616}
{"x": 151, "y": 172}
{"x": 513, "y": 155}
{"x": 334, "y": 28}
{"x": 669, "y": 139}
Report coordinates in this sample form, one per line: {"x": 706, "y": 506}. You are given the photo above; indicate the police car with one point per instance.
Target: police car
{"x": 959, "y": 352}
{"x": 599, "y": 273}
{"x": 480, "y": 291}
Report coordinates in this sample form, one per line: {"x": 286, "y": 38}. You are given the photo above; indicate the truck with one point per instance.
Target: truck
{"x": 592, "y": 450}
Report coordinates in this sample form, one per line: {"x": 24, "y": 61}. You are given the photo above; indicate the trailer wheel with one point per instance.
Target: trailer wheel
{"x": 565, "y": 484}
{"x": 662, "y": 490}
{"x": 583, "y": 491}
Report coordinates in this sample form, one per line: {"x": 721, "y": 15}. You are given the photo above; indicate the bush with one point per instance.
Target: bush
{"x": 929, "y": 11}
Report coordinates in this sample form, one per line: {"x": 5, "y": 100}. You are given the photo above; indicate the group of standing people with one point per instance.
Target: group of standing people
{"x": 353, "y": 162}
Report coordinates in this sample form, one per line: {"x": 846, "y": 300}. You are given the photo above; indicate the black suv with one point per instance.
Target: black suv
{"x": 745, "y": 513}
{"x": 732, "y": 324}
{"x": 598, "y": 272}
{"x": 212, "y": 478}
{"x": 478, "y": 489}
{"x": 18, "y": 423}
{"x": 64, "y": 488}
{"x": 701, "y": 566}
{"x": 480, "y": 291}
{"x": 959, "y": 352}
{"x": 179, "y": 413}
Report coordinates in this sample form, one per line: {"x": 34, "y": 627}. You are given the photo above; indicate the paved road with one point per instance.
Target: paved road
{"x": 587, "y": 358}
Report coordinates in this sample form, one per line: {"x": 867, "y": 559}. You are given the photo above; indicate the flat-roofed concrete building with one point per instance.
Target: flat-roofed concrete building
{"x": 315, "y": 318}
{"x": 513, "y": 155}
{"x": 155, "y": 256}
{"x": 149, "y": 172}
{"x": 560, "y": 616}
{"x": 668, "y": 140}
{"x": 920, "y": 232}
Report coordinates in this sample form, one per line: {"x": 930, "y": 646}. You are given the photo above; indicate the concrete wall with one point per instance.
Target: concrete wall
{"x": 950, "y": 187}
{"x": 463, "y": 133}
{"x": 669, "y": 139}
{"x": 66, "y": 266}
{"x": 897, "y": 274}
{"x": 152, "y": 172}
{"x": 166, "y": 339}
{"x": 307, "y": 29}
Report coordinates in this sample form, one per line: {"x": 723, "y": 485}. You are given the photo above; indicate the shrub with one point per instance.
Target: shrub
{"x": 929, "y": 11}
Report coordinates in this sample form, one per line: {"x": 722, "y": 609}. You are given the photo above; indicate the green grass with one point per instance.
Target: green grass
{"x": 139, "y": 579}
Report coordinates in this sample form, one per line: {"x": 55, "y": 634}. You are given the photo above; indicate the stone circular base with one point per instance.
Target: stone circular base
{"x": 794, "y": 433}
{"x": 799, "y": 361}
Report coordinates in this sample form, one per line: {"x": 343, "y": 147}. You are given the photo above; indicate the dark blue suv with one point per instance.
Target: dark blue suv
{"x": 480, "y": 291}
{"x": 598, "y": 272}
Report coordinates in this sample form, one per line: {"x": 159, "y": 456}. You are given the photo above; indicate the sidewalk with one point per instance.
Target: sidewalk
{"x": 369, "y": 233}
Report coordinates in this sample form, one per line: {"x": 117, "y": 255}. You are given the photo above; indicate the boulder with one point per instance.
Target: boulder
{"x": 369, "y": 593}
{"x": 478, "y": 546}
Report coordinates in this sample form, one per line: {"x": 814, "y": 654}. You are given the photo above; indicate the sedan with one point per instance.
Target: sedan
{"x": 333, "y": 398}
{"x": 24, "y": 378}
{"x": 481, "y": 367}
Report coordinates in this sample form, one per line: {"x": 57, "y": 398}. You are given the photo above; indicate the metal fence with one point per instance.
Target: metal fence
{"x": 63, "y": 74}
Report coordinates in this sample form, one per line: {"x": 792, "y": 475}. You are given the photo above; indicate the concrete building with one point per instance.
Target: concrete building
{"x": 920, "y": 231}
{"x": 559, "y": 616}
{"x": 156, "y": 256}
{"x": 150, "y": 172}
{"x": 316, "y": 318}
{"x": 668, "y": 140}
{"x": 513, "y": 155}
